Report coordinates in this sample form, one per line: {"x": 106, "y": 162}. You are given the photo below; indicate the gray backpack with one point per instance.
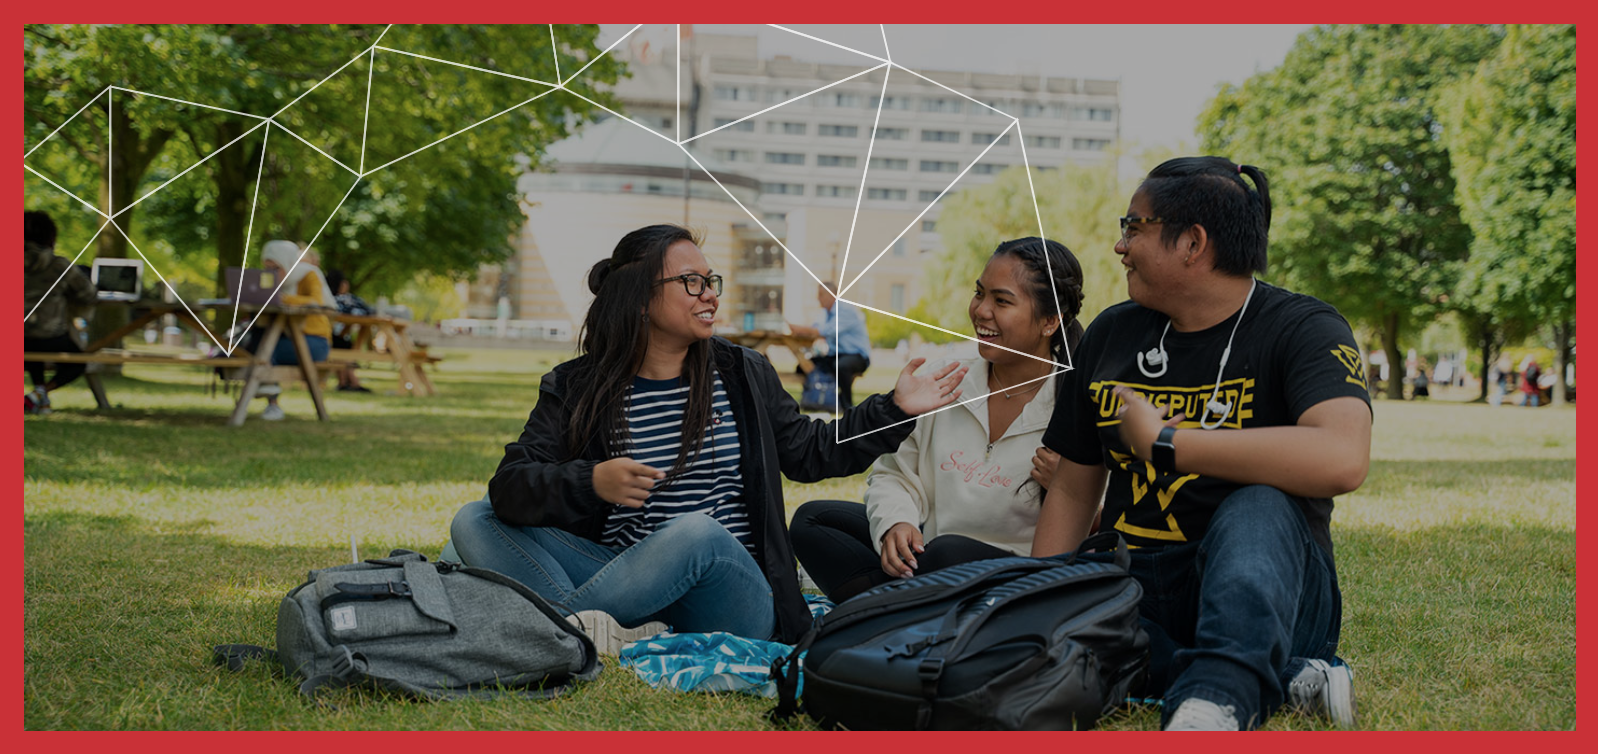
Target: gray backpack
{"x": 435, "y": 630}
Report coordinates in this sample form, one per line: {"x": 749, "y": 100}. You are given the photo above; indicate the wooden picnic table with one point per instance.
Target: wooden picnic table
{"x": 764, "y": 340}
{"x": 376, "y": 339}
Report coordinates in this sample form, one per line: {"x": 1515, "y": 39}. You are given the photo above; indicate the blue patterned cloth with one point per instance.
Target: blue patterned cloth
{"x": 712, "y": 662}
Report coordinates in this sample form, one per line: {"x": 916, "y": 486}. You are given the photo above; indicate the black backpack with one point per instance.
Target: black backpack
{"x": 1007, "y": 644}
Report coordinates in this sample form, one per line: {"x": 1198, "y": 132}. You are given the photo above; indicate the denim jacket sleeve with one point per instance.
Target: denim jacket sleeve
{"x": 808, "y": 449}
{"x": 537, "y": 483}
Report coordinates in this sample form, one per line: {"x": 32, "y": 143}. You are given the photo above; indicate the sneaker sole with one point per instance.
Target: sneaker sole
{"x": 1340, "y": 696}
{"x": 610, "y": 637}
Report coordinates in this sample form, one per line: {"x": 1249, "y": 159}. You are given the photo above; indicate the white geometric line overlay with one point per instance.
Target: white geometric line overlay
{"x": 359, "y": 173}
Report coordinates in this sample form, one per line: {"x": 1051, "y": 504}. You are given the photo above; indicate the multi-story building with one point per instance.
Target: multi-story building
{"x": 811, "y": 153}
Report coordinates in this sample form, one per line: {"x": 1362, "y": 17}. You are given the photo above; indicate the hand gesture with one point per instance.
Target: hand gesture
{"x": 1043, "y": 463}
{"x": 899, "y": 547}
{"x": 1141, "y": 422}
{"x": 623, "y": 481}
{"x": 916, "y": 395}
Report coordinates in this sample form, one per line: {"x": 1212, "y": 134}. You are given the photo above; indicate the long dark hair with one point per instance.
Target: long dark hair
{"x": 1210, "y": 191}
{"x": 615, "y": 337}
{"x": 1055, "y": 280}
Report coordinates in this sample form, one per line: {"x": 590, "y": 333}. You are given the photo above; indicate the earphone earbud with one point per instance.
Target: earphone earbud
{"x": 1220, "y": 408}
{"x": 1155, "y": 357}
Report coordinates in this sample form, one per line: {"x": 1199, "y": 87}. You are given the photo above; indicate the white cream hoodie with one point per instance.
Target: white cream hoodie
{"x": 946, "y": 478}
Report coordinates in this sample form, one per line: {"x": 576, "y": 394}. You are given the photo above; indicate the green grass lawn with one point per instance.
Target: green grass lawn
{"x": 154, "y": 531}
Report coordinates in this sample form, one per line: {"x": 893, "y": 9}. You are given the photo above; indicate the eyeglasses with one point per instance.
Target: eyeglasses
{"x": 695, "y": 284}
{"x": 1128, "y": 221}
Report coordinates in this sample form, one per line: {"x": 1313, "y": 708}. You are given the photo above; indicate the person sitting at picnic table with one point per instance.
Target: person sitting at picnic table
{"x": 645, "y": 485}
{"x": 966, "y": 484}
{"x": 843, "y": 328}
{"x": 52, "y": 288}
{"x": 347, "y": 303}
{"x": 303, "y": 285}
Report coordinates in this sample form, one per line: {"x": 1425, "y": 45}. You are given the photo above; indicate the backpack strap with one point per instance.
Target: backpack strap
{"x": 233, "y": 656}
{"x": 1101, "y": 541}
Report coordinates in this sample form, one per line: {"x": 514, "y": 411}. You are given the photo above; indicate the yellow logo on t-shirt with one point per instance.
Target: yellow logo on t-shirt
{"x": 1349, "y": 356}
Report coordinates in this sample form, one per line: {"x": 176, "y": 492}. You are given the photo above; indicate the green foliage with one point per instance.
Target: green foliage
{"x": 1348, "y": 131}
{"x": 444, "y": 210}
{"x": 1511, "y": 134}
{"x": 886, "y": 332}
{"x": 1079, "y": 205}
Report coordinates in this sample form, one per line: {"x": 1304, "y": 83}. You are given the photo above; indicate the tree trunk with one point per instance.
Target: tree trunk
{"x": 231, "y": 173}
{"x": 1395, "y": 360}
{"x": 1561, "y": 357}
{"x": 1487, "y": 348}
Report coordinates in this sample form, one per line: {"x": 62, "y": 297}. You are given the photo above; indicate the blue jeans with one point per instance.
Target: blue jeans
{"x": 1232, "y": 617}
{"x": 690, "y": 573}
{"x": 283, "y": 353}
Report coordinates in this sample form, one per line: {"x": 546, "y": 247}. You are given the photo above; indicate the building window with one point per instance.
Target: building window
{"x": 995, "y": 108}
{"x": 895, "y": 134}
{"x": 940, "y": 105}
{"x": 981, "y": 138}
{"x": 774, "y": 217}
{"x": 952, "y": 137}
{"x": 843, "y": 99}
{"x": 939, "y": 166}
{"x": 898, "y": 246}
{"x": 1033, "y": 110}
{"x": 887, "y": 194}
{"x": 928, "y": 196}
{"x": 841, "y": 192}
{"x": 785, "y": 158}
{"x": 791, "y": 189}
{"x": 890, "y": 103}
{"x": 988, "y": 168}
{"x": 735, "y": 155}
{"x": 735, "y": 125}
{"x": 896, "y": 297}
{"x": 786, "y": 127}
{"x": 890, "y": 163}
{"x": 837, "y": 160}
{"x": 734, "y": 93}
{"x": 781, "y": 95}
{"x": 1043, "y": 142}
{"x": 1090, "y": 145}
{"x": 829, "y": 129}
{"x": 929, "y": 226}
{"x": 1102, "y": 114}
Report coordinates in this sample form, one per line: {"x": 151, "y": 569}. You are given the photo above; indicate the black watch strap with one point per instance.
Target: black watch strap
{"x": 1164, "y": 454}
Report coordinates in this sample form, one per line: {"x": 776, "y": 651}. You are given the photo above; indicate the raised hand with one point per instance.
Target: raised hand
{"x": 623, "y": 481}
{"x": 917, "y": 394}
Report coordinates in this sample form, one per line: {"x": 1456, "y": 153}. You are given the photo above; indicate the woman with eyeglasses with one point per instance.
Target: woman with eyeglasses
{"x": 646, "y": 485}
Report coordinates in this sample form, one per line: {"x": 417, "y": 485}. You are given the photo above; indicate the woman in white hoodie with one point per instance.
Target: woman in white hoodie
{"x": 967, "y": 483}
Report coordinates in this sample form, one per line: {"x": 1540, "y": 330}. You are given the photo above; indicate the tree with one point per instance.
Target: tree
{"x": 1348, "y": 131}
{"x": 1511, "y": 136}
{"x": 1079, "y": 205}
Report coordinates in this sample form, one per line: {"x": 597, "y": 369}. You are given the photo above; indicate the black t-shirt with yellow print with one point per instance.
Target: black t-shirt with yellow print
{"x": 1291, "y": 352}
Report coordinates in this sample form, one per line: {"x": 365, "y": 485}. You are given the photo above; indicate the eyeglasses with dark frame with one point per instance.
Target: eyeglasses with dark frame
{"x": 694, "y": 284}
{"x": 1128, "y": 221}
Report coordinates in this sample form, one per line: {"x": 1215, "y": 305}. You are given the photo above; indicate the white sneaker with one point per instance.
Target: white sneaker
{"x": 1324, "y": 690}
{"x": 1203, "y": 714}
{"x": 608, "y": 635}
{"x": 273, "y": 413}
{"x": 269, "y": 388}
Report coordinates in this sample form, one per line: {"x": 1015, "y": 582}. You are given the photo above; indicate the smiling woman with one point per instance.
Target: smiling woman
{"x": 645, "y": 485}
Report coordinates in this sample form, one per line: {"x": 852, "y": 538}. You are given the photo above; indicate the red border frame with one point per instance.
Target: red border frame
{"x": 1249, "y": 11}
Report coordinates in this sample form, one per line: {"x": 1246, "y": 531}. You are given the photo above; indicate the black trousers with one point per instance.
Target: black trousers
{"x": 833, "y": 541}
{"x": 849, "y": 365}
{"x": 64, "y": 373}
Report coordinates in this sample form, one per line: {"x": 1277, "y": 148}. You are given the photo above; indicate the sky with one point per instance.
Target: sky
{"x": 1167, "y": 72}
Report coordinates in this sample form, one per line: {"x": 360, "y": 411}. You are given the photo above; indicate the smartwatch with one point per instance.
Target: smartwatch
{"x": 1164, "y": 452}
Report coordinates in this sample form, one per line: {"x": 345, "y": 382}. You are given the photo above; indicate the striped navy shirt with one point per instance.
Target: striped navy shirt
{"x": 711, "y": 484}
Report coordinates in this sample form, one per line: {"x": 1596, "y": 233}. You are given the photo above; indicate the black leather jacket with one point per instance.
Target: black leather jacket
{"x": 536, "y": 485}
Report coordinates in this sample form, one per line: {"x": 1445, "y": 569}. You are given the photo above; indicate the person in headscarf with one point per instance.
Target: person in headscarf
{"x": 303, "y": 285}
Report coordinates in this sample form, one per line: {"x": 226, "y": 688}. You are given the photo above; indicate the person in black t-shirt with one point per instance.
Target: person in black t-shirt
{"x": 1224, "y": 413}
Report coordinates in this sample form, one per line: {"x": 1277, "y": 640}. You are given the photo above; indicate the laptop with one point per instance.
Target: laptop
{"x": 250, "y": 285}
{"x": 117, "y": 279}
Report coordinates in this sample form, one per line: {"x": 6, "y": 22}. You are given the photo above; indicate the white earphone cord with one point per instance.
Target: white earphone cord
{"x": 1214, "y": 404}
